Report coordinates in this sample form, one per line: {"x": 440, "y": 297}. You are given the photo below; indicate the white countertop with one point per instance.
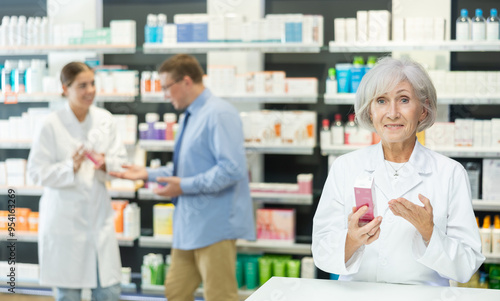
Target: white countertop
{"x": 300, "y": 289}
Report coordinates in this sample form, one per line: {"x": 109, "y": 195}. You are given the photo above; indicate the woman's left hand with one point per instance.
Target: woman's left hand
{"x": 418, "y": 216}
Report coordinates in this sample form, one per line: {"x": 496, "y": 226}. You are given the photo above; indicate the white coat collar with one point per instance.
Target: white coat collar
{"x": 417, "y": 165}
{"x": 71, "y": 123}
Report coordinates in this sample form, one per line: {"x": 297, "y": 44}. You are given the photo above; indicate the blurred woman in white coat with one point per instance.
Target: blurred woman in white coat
{"x": 77, "y": 245}
{"x": 425, "y": 231}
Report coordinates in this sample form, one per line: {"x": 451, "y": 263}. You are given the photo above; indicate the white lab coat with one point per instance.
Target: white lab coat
{"x": 76, "y": 226}
{"x": 400, "y": 254}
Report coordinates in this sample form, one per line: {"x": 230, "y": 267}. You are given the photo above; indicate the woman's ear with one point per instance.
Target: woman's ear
{"x": 65, "y": 90}
{"x": 424, "y": 111}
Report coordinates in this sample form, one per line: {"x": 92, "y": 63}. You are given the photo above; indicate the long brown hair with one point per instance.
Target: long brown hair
{"x": 71, "y": 70}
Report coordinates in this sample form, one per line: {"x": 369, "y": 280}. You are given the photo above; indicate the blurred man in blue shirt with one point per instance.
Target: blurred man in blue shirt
{"x": 208, "y": 183}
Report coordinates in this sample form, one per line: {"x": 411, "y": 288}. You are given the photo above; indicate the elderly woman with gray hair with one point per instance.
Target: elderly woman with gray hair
{"x": 425, "y": 231}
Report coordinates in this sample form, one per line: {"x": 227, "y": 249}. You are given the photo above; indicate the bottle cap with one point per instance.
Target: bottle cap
{"x": 497, "y": 222}
{"x": 479, "y": 12}
{"x": 493, "y": 12}
{"x": 331, "y": 72}
{"x": 338, "y": 117}
{"x": 350, "y": 117}
{"x": 326, "y": 123}
{"x": 486, "y": 222}
{"x": 372, "y": 60}
{"x": 464, "y": 13}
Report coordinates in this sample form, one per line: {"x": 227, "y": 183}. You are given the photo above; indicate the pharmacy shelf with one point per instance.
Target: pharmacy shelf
{"x": 151, "y": 289}
{"x": 157, "y": 145}
{"x": 38, "y": 191}
{"x": 279, "y": 149}
{"x": 19, "y": 236}
{"x": 52, "y": 97}
{"x": 492, "y": 258}
{"x": 168, "y": 146}
{"x": 465, "y": 99}
{"x": 32, "y": 287}
{"x": 193, "y": 47}
{"x": 159, "y": 98}
{"x": 390, "y": 46}
{"x": 481, "y": 205}
{"x": 28, "y": 236}
{"x": 242, "y": 245}
{"x": 282, "y": 198}
{"x": 43, "y": 50}
{"x": 15, "y": 144}
{"x": 460, "y": 152}
{"x": 22, "y": 191}
{"x": 146, "y": 194}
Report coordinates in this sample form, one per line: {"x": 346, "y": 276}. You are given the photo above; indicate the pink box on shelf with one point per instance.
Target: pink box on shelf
{"x": 276, "y": 225}
{"x": 364, "y": 193}
{"x": 305, "y": 182}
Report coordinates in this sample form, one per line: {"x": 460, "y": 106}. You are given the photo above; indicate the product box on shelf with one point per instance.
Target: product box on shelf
{"x": 491, "y": 174}
{"x": 16, "y": 171}
{"x": 122, "y": 32}
{"x": 163, "y": 215}
{"x": 276, "y": 225}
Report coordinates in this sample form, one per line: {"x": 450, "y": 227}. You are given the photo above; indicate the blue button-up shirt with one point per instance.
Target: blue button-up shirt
{"x": 215, "y": 204}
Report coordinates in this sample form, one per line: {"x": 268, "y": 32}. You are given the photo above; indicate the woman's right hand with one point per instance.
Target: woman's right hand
{"x": 360, "y": 235}
{"x": 78, "y": 157}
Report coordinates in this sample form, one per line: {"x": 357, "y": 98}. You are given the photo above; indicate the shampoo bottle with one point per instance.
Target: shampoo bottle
{"x": 485, "y": 232}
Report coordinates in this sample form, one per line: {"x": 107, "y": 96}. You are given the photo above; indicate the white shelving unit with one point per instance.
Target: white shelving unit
{"x": 274, "y": 198}
{"x": 32, "y": 287}
{"x": 481, "y": 205}
{"x": 27, "y": 236}
{"x": 466, "y": 99}
{"x": 159, "y": 98}
{"x": 15, "y": 144}
{"x": 44, "y": 50}
{"x": 151, "y": 289}
{"x": 242, "y": 245}
{"x": 462, "y": 152}
{"x": 168, "y": 146}
{"x": 37, "y": 191}
{"x": 390, "y": 46}
{"x": 192, "y": 47}
{"x": 51, "y": 97}
{"x": 492, "y": 258}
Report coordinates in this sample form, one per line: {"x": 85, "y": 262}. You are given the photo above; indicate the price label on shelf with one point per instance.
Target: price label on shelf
{"x": 10, "y": 98}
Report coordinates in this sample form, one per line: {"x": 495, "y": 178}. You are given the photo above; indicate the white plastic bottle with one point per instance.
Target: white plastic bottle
{"x": 162, "y": 21}
{"x": 30, "y": 29}
{"x": 478, "y": 26}
{"x": 4, "y": 30}
{"x": 12, "y": 32}
{"x": 463, "y": 26}
{"x": 129, "y": 221}
{"x": 495, "y": 236}
{"x": 325, "y": 134}
{"x": 21, "y": 31}
{"x": 337, "y": 130}
{"x": 36, "y": 31}
{"x": 45, "y": 32}
{"x": 486, "y": 234}
{"x": 492, "y": 26}
{"x": 331, "y": 82}
{"x": 350, "y": 130}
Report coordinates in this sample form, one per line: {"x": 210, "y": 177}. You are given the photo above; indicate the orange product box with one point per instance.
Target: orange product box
{"x": 22, "y": 215}
{"x": 33, "y": 222}
{"x": 118, "y": 207}
{"x": 4, "y": 220}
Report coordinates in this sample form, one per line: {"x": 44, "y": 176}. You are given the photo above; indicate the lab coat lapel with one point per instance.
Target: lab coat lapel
{"x": 417, "y": 165}
{"x": 376, "y": 165}
{"x": 71, "y": 123}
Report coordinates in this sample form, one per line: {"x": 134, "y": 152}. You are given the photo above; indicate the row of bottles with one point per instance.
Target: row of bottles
{"x": 348, "y": 134}
{"x": 19, "y": 31}
{"x": 345, "y": 78}
{"x": 490, "y": 237}
{"x": 478, "y": 29}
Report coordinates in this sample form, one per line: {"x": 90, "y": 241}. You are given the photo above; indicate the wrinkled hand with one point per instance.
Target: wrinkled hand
{"x": 172, "y": 189}
{"x": 366, "y": 234}
{"x": 420, "y": 217}
{"x": 78, "y": 157}
{"x": 132, "y": 172}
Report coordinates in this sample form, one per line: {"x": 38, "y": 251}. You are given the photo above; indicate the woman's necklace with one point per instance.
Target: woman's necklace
{"x": 396, "y": 175}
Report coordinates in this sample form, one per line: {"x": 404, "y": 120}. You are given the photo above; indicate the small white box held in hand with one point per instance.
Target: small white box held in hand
{"x": 364, "y": 193}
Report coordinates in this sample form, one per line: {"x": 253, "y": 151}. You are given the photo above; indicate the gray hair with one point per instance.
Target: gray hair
{"x": 384, "y": 77}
